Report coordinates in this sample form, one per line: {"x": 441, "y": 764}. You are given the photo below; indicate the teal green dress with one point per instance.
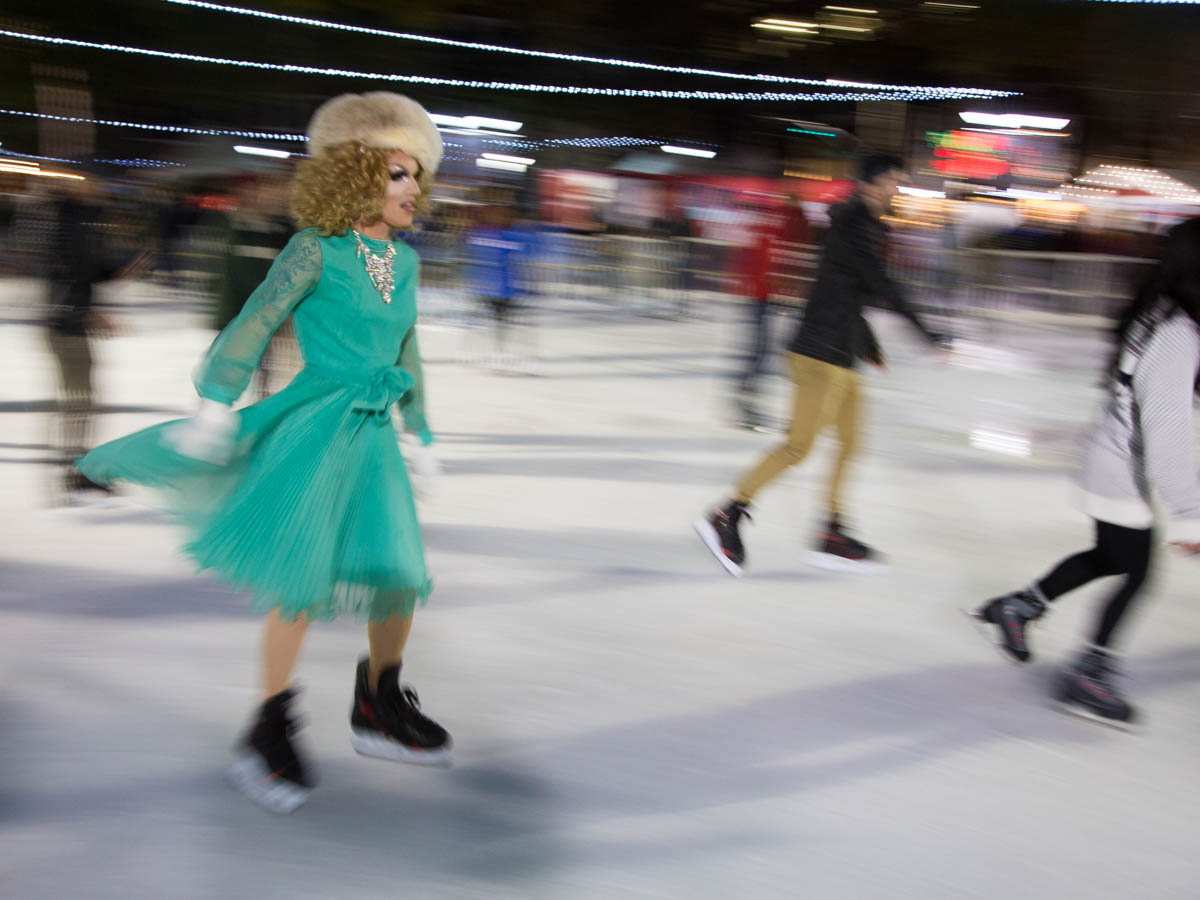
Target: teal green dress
{"x": 314, "y": 515}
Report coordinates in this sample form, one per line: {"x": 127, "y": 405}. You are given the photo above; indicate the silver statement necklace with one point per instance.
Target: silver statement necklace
{"x": 380, "y": 269}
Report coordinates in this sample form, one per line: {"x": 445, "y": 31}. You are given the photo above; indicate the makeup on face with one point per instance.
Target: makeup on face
{"x": 399, "y": 201}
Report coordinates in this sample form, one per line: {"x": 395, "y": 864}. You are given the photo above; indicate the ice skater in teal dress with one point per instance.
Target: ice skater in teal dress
{"x": 303, "y": 500}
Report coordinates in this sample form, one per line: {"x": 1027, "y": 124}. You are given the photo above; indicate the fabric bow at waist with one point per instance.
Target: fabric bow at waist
{"x": 374, "y": 390}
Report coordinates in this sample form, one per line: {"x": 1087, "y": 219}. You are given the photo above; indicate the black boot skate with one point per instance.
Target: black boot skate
{"x": 1010, "y": 614}
{"x": 748, "y": 416}
{"x": 719, "y": 531}
{"x": 839, "y": 552}
{"x": 1086, "y": 688}
{"x": 389, "y": 724}
{"x": 268, "y": 769}
{"x": 79, "y": 490}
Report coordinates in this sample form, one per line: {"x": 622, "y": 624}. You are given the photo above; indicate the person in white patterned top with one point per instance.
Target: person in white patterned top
{"x": 1141, "y": 449}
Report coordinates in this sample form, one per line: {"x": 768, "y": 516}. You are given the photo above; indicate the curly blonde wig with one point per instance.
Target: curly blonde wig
{"x": 345, "y": 184}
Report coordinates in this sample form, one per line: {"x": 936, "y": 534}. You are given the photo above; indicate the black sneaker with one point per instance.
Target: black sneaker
{"x": 1010, "y": 614}
{"x": 268, "y": 769}
{"x": 838, "y": 551}
{"x": 389, "y": 724}
{"x": 79, "y": 490}
{"x": 720, "y": 535}
{"x": 749, "y": 418}
{"x": 1086, "y": 689}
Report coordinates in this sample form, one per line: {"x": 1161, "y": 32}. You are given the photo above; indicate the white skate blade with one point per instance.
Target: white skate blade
{"x": 79, "y": 504}
{"x": 1082, "y": 712}
{"x": 95, "y": 500}
{"x": 984, "y": 630}
{"x": 757, "y": 427}
{"x": 832, "y": 563}
{"x": 369, "y": 743}
{"x": 274, "y": 794}
{"x": 708, "y": 534}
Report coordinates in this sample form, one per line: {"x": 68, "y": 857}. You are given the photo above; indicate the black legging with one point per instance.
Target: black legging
{"x": 1118, "y": 551}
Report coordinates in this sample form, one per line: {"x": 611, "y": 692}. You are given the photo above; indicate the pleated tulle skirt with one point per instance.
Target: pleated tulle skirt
{"x": 314, "y": 515}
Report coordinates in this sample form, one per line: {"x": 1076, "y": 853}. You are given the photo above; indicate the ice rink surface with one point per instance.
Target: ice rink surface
{"x": 629, "y": 721}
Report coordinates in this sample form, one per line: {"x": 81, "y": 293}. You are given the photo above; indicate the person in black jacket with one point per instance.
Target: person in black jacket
{"x": 250, "y": 237}
{"x": 833, "y": 335}
{"x": 77, "y": 263}
{"x": 89, "y": 242}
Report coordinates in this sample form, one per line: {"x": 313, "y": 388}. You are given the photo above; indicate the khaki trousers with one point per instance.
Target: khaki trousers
{"x": 825, "y": 395}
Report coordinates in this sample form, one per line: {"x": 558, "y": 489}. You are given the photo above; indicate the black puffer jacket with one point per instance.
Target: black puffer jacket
{"x": 833, "y": 329}
{"x": 78, "y": 262}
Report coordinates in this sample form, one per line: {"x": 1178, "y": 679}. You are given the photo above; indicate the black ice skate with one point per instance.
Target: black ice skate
{"x": 1086, "y": 689}
{"x": 268, "y": 769}
{"x": 1010, "y": 614}
{"x": 720, "y": 535}
{"x": 749, "y": 418}
{"x": 389, "y": 724}
{"x": 79, "y": 490}
{"x": 839, "y": 552}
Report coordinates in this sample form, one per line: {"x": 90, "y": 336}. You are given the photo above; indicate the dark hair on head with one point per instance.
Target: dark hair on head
{"x": 1173, "y": 284}
{"x": 873, "y": 165}
{"x": 1176, "y": 277}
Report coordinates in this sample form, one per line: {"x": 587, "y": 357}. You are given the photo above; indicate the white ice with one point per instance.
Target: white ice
{"x": 629, "y": 720}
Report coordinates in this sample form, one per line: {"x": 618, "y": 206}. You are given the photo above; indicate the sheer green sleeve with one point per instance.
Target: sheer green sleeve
{"x": 412, "y": 404}
{"x": 230, "y": 362}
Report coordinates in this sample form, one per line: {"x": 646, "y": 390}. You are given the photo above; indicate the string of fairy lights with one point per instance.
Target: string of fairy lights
{"x": 888, "y": 92}
{"x": 617, "y": 142}
{"x": 1106, "y": 179}
{"x": 598, "y": 143}
{"x": 173, "y": 129}
{"x": 971, "y": 93}
{"x": 1113, "y": 179}
{"x": 851, "y": 91}
{"x": 57, "y": 159}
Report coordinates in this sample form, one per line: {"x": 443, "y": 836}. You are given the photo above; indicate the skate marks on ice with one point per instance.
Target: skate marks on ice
{"x": 49, "y": 406}
{"x": 560, "y": 563}
{"x": 773, "y": 749}
{"x": 48, "y": 589}
{"x": 150, "y": 814}
{"x": 626, "y": 457}
{"x": 634, "y": 443}
{"x": 532, "y": 813}
{"x": 582, "y": 561}
{"x": 605, "y": 468}
{"x": 788, "y": 743}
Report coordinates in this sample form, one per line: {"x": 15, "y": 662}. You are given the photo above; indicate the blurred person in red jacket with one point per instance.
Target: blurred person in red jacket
{"x": 753, "y": 274}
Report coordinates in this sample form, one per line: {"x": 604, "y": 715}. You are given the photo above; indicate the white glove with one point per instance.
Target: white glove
{"x": 423, "y": 466}
{"x": 208, "y": 435}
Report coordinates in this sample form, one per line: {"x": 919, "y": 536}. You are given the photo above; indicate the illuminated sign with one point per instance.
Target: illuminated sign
{"x": 966, "y": 154}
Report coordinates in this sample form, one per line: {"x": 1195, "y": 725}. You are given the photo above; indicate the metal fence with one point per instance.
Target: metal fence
{"x": 677, "y": 276}
{"x": 1032, "y": 286}
{"x": 630, "y": 274}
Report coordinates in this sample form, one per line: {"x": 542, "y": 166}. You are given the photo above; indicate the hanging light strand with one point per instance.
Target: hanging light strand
{"x": 594, "y": 143}
{"x": 173, "y": 129}
{"x": 57, "y": 159}
{"x": 547, "y": 54}
{"x": 890, "y": 93}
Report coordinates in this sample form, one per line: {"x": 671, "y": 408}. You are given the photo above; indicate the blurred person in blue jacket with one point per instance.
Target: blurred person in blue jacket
{"x": 499, "y": 253}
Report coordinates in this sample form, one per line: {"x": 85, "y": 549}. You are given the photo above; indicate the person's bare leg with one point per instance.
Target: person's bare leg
{"x": 387, "y": 640}
{"x": 280, "y": 648}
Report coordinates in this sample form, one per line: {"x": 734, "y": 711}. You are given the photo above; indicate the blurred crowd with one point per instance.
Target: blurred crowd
{"x": 637, "y": 245}
{"x": 211, "y": 235}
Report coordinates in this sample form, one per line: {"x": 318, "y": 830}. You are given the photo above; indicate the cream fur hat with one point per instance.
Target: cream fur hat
{"x": 379, "y": 119}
